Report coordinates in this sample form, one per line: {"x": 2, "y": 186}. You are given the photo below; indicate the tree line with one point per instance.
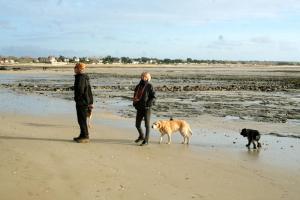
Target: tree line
{"x": 141, "y": 60}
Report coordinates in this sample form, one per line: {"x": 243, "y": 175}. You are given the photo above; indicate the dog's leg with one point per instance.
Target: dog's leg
{"x": 184, "y": 138}
{"x": 258, "y": 144}
{"x": 169, "y": 138}
{"x": 188, "y": 140}
{"x": 249, "y": 142}
{"x": 254, "y": 145}
{"x": 184, "y": 135}
{"x": 89, "y": 118}
{"x": 89, "y": 123}
{"x": 161, "y": 137}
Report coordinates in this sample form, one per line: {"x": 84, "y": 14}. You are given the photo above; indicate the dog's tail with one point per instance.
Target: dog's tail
{"x": 190, "y": 131}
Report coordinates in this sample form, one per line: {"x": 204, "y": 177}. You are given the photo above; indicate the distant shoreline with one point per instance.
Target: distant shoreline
{"x": 25, "y": 66}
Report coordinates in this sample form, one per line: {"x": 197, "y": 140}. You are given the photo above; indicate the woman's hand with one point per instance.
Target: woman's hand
{"x": 91, "y": 106}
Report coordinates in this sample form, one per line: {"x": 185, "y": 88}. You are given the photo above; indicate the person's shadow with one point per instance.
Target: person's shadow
{"x": 34, "y": 139}
{"x": 113, "y": 141}
{"x": 97, "y": 140}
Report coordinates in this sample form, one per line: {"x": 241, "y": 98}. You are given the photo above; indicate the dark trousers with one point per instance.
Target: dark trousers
{"x": 140, "y": 115}
{"x": 82, "y": 121}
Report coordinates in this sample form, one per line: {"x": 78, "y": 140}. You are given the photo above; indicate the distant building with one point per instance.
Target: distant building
{"x": 152, "y": 61}
{"x": 52, "y": 60}
{"x": 7, "y": 61}
{"x": 43, "y": 59}
{"x": 75, "y": 59}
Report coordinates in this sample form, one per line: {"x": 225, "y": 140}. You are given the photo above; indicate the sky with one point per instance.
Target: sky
{"x": 198, "y": 29}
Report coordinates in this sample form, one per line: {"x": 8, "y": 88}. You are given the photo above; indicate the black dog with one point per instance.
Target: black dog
{"x": 253, "y": 136}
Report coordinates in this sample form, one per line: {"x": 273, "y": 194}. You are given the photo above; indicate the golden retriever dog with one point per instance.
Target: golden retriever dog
{"x": 168, "y": 127}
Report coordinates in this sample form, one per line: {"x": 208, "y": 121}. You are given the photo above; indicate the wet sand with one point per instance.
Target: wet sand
{"x": 257, "y": 93}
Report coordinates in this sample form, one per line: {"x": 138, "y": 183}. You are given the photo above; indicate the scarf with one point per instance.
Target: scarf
{"x": 140, "y": 91}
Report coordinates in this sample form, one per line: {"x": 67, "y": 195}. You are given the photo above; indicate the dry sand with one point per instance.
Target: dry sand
{"x": 39, "y": 160}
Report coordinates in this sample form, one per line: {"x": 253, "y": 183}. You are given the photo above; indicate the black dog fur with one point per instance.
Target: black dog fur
{"x": 253, "y": 136}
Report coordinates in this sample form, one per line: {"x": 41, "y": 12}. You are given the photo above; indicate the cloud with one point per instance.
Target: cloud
{"x": 261, "y": 40}
{"x": 222, "y": 44}
{"x": 36, "y": 51}
{"x": 59, "y": 2}
{"x": 195, "y": 12}
{"x": 56, "y": 36}
{"x": 192, "y": 12}
{"x": 5, "y": 25}
{"x": 158, "y": 27}
{"x": 110, "y": 38}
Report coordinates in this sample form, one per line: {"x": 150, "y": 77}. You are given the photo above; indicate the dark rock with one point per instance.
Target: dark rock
{"x": 3, "y": 68}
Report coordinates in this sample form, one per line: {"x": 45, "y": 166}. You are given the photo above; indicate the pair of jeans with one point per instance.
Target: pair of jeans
{"x": 82, "y": 120}
{"x": 140, "y": 115}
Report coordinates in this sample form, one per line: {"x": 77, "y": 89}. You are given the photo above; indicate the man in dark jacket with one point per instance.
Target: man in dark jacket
{"x": 143, "y": 99}
{"x": 84, "y": 101}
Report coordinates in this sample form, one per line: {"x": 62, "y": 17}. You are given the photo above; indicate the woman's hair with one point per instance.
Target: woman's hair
{"x": 147, "y": 75}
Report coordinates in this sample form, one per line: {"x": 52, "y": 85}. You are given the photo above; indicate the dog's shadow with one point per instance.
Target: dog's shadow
{"x": 251, "y": 154}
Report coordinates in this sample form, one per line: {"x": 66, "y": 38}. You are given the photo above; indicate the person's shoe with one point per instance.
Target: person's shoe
{"x": 82, "y": 140}
{"x": 144, "y": 143}
{"x": 138, "y": 140}
{"x": 76, "y": 138}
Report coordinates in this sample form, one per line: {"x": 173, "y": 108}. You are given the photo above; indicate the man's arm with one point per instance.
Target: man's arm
{"x": 79, "y": 88}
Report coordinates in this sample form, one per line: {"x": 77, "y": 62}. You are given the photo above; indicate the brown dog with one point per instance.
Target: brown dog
{"x": 171, "y": 126}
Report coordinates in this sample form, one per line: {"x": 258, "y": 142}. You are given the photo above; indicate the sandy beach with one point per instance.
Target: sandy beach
{"x": 40, "y": 160}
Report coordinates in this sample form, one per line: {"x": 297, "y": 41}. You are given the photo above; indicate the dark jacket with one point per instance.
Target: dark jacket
{"x": 148, "y": 97}
{"x": 82, "y": 90}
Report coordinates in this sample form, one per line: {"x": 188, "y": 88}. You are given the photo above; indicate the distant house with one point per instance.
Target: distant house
{"x": 152, "y": 61}
{"x": 7, "y": 61}
{"x": 75, "y": 59}
{"x": 66, "y": 60}
{"x": 42, "y": 59}
{"x": 52, "y": 60}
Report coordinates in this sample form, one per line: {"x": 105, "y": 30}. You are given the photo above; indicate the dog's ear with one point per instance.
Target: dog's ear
{"x": 158, "y": 124}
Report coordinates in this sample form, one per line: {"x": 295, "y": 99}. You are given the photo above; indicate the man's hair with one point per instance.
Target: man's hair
{"x": 80, "y": 66}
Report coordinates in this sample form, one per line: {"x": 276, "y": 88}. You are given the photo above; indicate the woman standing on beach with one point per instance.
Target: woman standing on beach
{"x": 143, "y": 99}
{"x": 84, "y": 101}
